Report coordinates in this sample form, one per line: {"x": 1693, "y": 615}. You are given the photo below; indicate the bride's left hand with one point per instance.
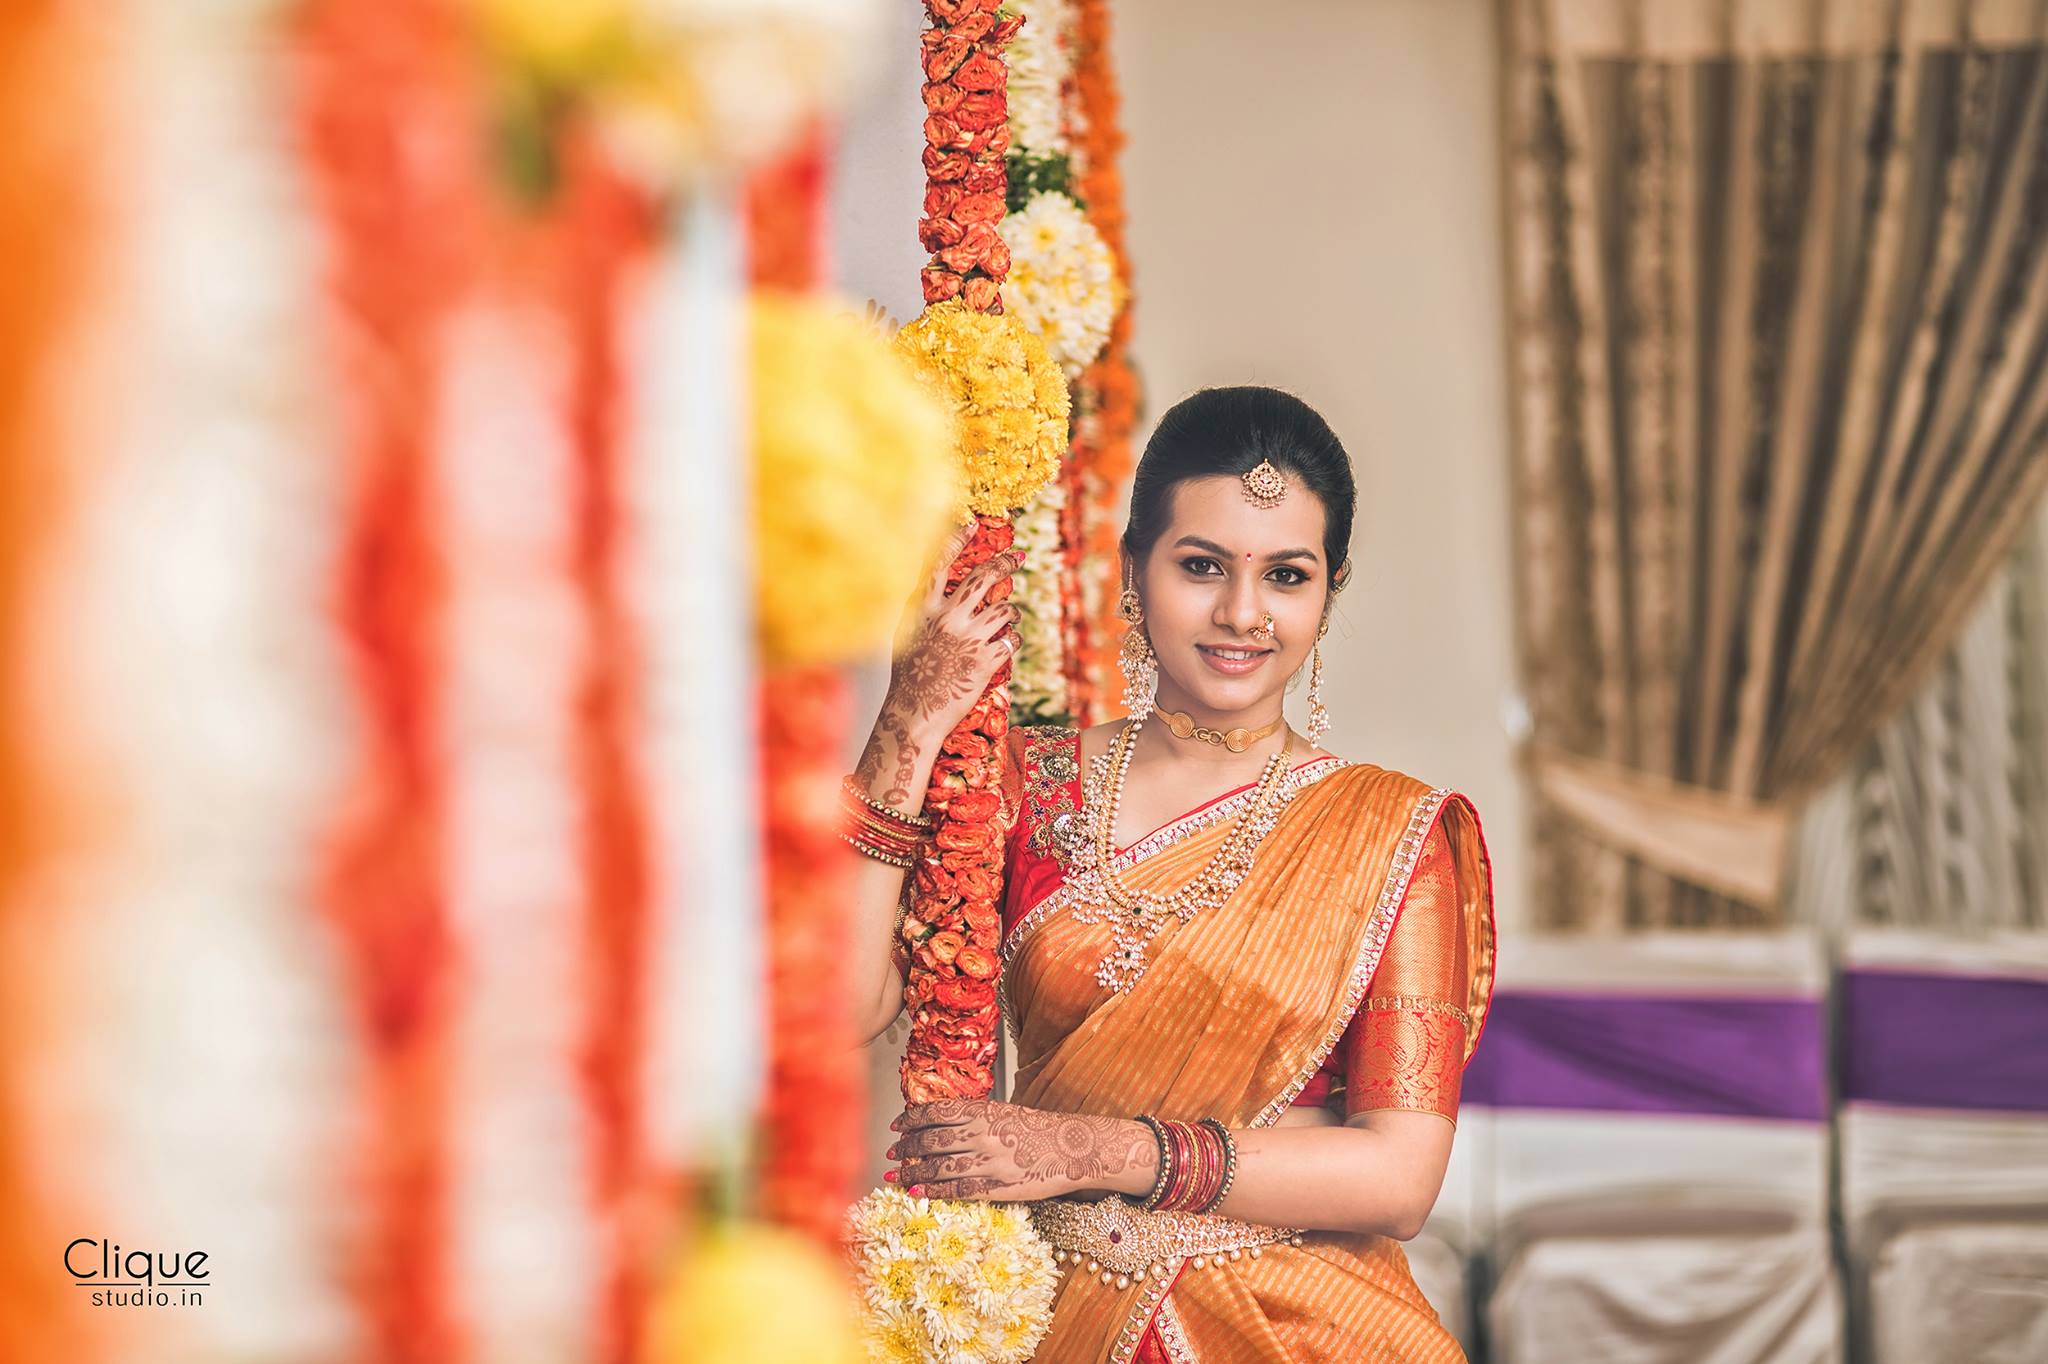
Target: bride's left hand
{"x": 984, "y": 1148}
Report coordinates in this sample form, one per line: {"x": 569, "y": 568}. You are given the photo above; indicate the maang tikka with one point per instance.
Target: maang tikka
{"x": 1264, "y": 485}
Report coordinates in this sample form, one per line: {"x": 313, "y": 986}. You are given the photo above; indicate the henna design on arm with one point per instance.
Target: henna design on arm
{"x": 1085, "y": 1148}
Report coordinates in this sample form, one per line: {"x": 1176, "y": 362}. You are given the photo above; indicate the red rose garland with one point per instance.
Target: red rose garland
{"x": 966, "y": 132}
{"x": 953, "y": 925}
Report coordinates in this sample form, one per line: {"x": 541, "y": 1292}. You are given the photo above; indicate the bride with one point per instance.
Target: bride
{"x": 1242, "y": 975}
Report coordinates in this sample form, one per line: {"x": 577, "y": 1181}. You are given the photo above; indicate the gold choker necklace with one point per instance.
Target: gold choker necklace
{"x": 1236, "y": 740}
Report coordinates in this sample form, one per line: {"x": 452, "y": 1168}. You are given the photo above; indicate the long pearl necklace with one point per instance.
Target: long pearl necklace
{"x": 1136, "y": 916}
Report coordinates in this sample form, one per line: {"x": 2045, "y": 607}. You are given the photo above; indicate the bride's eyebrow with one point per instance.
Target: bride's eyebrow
{"x": 1198, "y": 542}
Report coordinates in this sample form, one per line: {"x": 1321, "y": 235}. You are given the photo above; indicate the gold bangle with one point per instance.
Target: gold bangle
{"x": 851, "y": 785}
{"x": 1165, "y": 1171}
{"x": 1229, "y": 1161}
{"x": 895, "y": 838}
{"x": 879, "y": 854}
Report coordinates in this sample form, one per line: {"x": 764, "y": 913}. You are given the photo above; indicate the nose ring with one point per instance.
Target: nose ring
{"x": 1264, "y": 628}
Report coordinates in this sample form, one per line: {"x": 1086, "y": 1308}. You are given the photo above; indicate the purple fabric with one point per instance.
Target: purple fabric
{"x": 1921, "y": 1040}
{"x": 1739, "y": 1057}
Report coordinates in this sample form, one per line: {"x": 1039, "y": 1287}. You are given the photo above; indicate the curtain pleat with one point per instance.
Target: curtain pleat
{"x": 1780, "y": 311}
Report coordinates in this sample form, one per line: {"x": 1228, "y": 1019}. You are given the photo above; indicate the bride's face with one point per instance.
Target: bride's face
{"x": 1221, "y": 565}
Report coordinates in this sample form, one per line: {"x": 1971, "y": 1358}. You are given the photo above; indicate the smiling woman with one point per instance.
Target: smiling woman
{"x": 1243, "y": 975}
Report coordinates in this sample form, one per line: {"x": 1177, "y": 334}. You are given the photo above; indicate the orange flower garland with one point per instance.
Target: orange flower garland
{"x": 594, "y": 230}
{"x": 1109, "y": 393}
{"x": 815, "y": 1097}
{"x": 50, "y": 77}
{"x": 813, "y": 1107}
{"x": 954, "y": 926}
{"x": 953, "y": 923}
{"x": 403, "y": 223}
{"x": 967, "y": 132}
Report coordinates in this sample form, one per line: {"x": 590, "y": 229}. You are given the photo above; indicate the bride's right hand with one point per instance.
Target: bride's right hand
{"x": 957, "y": 640}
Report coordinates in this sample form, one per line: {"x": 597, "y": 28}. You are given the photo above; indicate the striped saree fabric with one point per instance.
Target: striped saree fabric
{"x": 1234, "y": 1015}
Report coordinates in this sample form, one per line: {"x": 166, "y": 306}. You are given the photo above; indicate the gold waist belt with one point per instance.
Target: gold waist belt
{"x": 1119, "y": 1240}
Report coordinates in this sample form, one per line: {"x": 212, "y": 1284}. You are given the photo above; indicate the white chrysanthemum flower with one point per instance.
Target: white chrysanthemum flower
{"x": 963, "y": 1282}
{"x": 1038, "y": 678}
{"x": 1040, "y": 62}
{"x": 1063, "y": 283}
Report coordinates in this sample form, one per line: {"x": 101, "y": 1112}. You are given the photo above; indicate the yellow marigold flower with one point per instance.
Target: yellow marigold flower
{"x": 1010, "y": 397}
{"x": 560, "y": 40}
{"x": 755, "y": 1294}
{"x": 855, "y": 482}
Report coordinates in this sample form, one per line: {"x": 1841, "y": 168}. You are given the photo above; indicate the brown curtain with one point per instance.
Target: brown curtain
{"x": 1780, "y": 330}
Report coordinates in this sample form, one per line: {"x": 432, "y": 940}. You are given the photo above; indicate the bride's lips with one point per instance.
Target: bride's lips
{"x": 1232, "y": 667}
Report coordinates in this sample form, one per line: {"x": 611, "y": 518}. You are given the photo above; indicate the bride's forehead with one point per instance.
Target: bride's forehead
{"x": 1215, "y": 508}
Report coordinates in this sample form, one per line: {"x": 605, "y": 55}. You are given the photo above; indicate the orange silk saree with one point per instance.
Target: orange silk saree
{"x": 1237, "y": 1010}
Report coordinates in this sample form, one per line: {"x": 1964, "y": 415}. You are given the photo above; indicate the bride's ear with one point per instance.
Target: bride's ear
{"x": 1341, "y": 576}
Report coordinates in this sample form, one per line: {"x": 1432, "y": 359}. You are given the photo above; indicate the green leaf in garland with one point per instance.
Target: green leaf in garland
{"x": 1033, "y": 173}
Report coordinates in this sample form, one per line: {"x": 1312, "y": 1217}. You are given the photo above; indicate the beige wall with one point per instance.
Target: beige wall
{"x": 1314, "y": 203}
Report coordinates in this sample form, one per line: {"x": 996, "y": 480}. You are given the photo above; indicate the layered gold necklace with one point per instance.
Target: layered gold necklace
{"x": 1136, "y": 916}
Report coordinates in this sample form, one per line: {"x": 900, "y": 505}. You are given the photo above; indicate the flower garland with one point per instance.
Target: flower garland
{"x": 966, "y": 1282}
{"x": 1063, "y": 283}
{"x": 1067, "y": 283}
{"x": 751, "y": 1293}
{"x": 50, "y": 86}
{"x": 1008, "y": 396}
{"x": 967, "y": 132}
{"x": 950, "y": 1279}
{"x": 1039, "y": 69}
{"x": 674, "y": 88}
{"x": 1012, "y": 406}
{"x": 856, "y": 477}
{"x": 403, "y": 230}
{"x": 1109, "y": 394}
{"x": 814, "y": 1104}
{"x": 599, "y": 230}
{"x": 1038, "y": 684}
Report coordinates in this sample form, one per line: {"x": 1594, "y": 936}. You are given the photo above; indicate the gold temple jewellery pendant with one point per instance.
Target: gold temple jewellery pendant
{"x": 1135, "y": 917}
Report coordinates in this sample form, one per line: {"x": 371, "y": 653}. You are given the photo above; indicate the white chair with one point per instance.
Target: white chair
{"x": 1655, "y": 1177}
{"x": 1944, "y": 1145}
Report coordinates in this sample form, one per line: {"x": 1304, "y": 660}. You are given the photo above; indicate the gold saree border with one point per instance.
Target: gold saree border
{"x": 1157, "y": 841}
{"x": 1172, "y": 1337}
{"x": 1400, "y": 870}
{"x": 1140, "y": 1316}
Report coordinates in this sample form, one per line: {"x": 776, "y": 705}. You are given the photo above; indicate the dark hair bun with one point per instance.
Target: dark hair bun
{"x": 1228, "y": 431}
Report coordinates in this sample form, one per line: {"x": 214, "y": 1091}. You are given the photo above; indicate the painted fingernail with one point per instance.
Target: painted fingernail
{"x": 917, "y": 1189}
{"x": 889, "y": 1175}
{"x": 890, "y": 1153}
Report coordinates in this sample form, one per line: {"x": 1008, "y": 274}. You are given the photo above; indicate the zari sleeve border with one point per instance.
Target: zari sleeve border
{"x": 1381, "y": 927}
